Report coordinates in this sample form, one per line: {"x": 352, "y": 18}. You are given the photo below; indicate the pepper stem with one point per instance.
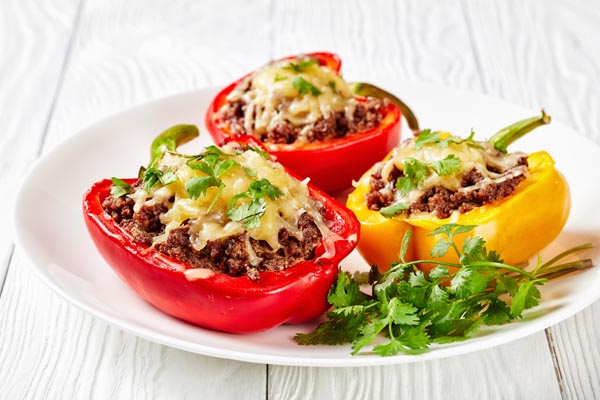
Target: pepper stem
{"x": 170, "y": 139}
{"x": 505, "y": 136}
{"x": 367, "y": 89}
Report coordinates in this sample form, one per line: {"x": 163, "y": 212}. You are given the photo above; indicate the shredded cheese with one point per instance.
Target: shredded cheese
{"x": 205, "y": 226}
{"x": 271, "y": 97}
{"x": 494, "y": 166}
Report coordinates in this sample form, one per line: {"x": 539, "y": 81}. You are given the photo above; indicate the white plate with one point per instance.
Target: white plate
{"x": 50, "y": 227}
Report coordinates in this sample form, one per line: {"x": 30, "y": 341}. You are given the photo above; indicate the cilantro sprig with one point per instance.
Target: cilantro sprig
{"x": 249, "y": 206}
{"x": 212, "y": 163}
{"x": 427, "y": 136}
{"x": 305, "y": 87}
{"x": 119, "y": 188}
{"x": 409, "y": 310}
{"x": 301, "y": 66}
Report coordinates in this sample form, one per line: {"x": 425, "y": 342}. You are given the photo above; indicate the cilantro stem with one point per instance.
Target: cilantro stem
{"x": 505, "y": 136}
{"x": 367, "y": 89}
{"x": 580, "y": 264}
{"x": 499, "y": 265}
{"x": 565, "y": 253}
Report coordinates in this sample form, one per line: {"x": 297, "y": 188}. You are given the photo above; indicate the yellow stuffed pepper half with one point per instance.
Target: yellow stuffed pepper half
{"x": 518, "y": 202}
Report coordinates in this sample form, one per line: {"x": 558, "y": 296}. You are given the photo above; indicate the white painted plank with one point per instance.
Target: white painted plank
{"x": 52, "y": 350}
{"x": 33, "y": 43}
{"x": 499, "y": 373}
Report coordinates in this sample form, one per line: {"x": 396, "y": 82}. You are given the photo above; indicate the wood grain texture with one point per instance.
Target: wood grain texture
{"x": 499, "y": 373}
{"x": 33, "y": 43}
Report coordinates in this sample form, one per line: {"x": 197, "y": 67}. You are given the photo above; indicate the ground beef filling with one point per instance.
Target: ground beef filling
{"x": 441, "y": 201}
{"x": 366, "y": 116}
{"x": 228, "y": 255}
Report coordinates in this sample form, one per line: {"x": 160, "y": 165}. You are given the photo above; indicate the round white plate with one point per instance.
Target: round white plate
{"x": 50, "y": 228}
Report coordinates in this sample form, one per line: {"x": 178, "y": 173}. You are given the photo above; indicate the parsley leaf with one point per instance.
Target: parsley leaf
{"x": 304, "y": 87}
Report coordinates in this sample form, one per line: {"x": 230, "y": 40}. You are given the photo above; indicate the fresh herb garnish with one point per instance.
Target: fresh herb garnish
{"x": 427, "y": 136}
{"x": 279, "y": 78}
{"x": 260, "y": 151}
{"x": 214, "y": 166}
{"x": 250, "y": 211}
{"x": 152, "y": 176}
{"x": 301, "y": 66}
{"x": 393, "y": 210}
{"x": 448, "y": 166}
{"x": 304, "y": 87}
{"x": 119, "y": 188}
{"x": 332, "y": 85}
{"x": 415, "y": 173}
{"x": 412, "y": 310}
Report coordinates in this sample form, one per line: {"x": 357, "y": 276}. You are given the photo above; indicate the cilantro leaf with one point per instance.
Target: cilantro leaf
{"x": 264, "y": 188}
{"x": 199, "y": 185}
{"x": 259, "y": 151}
{"x": 448, "y": 166}
{"x": 527, "y": 296}
{"x": 402, "y": 313}
{"x": 119, "y": 188}
{"x": 151, "y": 177}
{"x": 301, "y": 66}
{"x": 345, "y": 292}
{"x": 304, "y": 87}
{"x": 248, "y": 212}
{"x": 393, "y": 210}
{"x": 426, "y": 136}
{"x": 437, "y": 299}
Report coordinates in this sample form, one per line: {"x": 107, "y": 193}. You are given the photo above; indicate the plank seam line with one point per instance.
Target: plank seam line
{"x": 267, "y": 382}
{"x": 61, "y": 77}
{"x": 8, "y": 263}
{"x": 557, "y": 369}
{"x": 474, "y": 47}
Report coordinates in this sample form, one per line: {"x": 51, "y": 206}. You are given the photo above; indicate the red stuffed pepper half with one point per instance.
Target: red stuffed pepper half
{"x": 226, "y": 239}
{"x": 306, "y": 115}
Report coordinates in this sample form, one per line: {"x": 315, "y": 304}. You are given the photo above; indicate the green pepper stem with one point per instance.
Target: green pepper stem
{"x": 170, "y": 139}
{"x": 505, "y": 136}
{"x": 367, "y": 89}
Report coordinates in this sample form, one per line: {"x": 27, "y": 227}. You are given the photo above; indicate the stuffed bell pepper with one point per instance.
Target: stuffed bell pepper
{"x": 518, "y": 202}
{"x": 314, "y": 122}
{"x": 225, "y": 239}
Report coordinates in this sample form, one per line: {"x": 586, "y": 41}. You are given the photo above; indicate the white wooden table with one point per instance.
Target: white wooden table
{"x": 65, "y": 64}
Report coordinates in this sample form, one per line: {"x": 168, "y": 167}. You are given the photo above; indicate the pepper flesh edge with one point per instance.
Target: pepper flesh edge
{"x": 221, "y": 302}
{"x": 517, "y": 227}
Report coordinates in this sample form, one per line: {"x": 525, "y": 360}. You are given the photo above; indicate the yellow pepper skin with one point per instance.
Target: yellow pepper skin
{"x": 517, "y": 227}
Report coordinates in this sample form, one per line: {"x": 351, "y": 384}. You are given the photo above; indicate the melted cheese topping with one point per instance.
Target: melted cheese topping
{"x": 480, "y": 156}
{"x": 283, "y": 212}
{"x": 271, "y": 98}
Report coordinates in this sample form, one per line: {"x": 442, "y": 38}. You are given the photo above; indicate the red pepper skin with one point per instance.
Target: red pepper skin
{"x": 331, "y": 164}
{"x": 221, "y": 302}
